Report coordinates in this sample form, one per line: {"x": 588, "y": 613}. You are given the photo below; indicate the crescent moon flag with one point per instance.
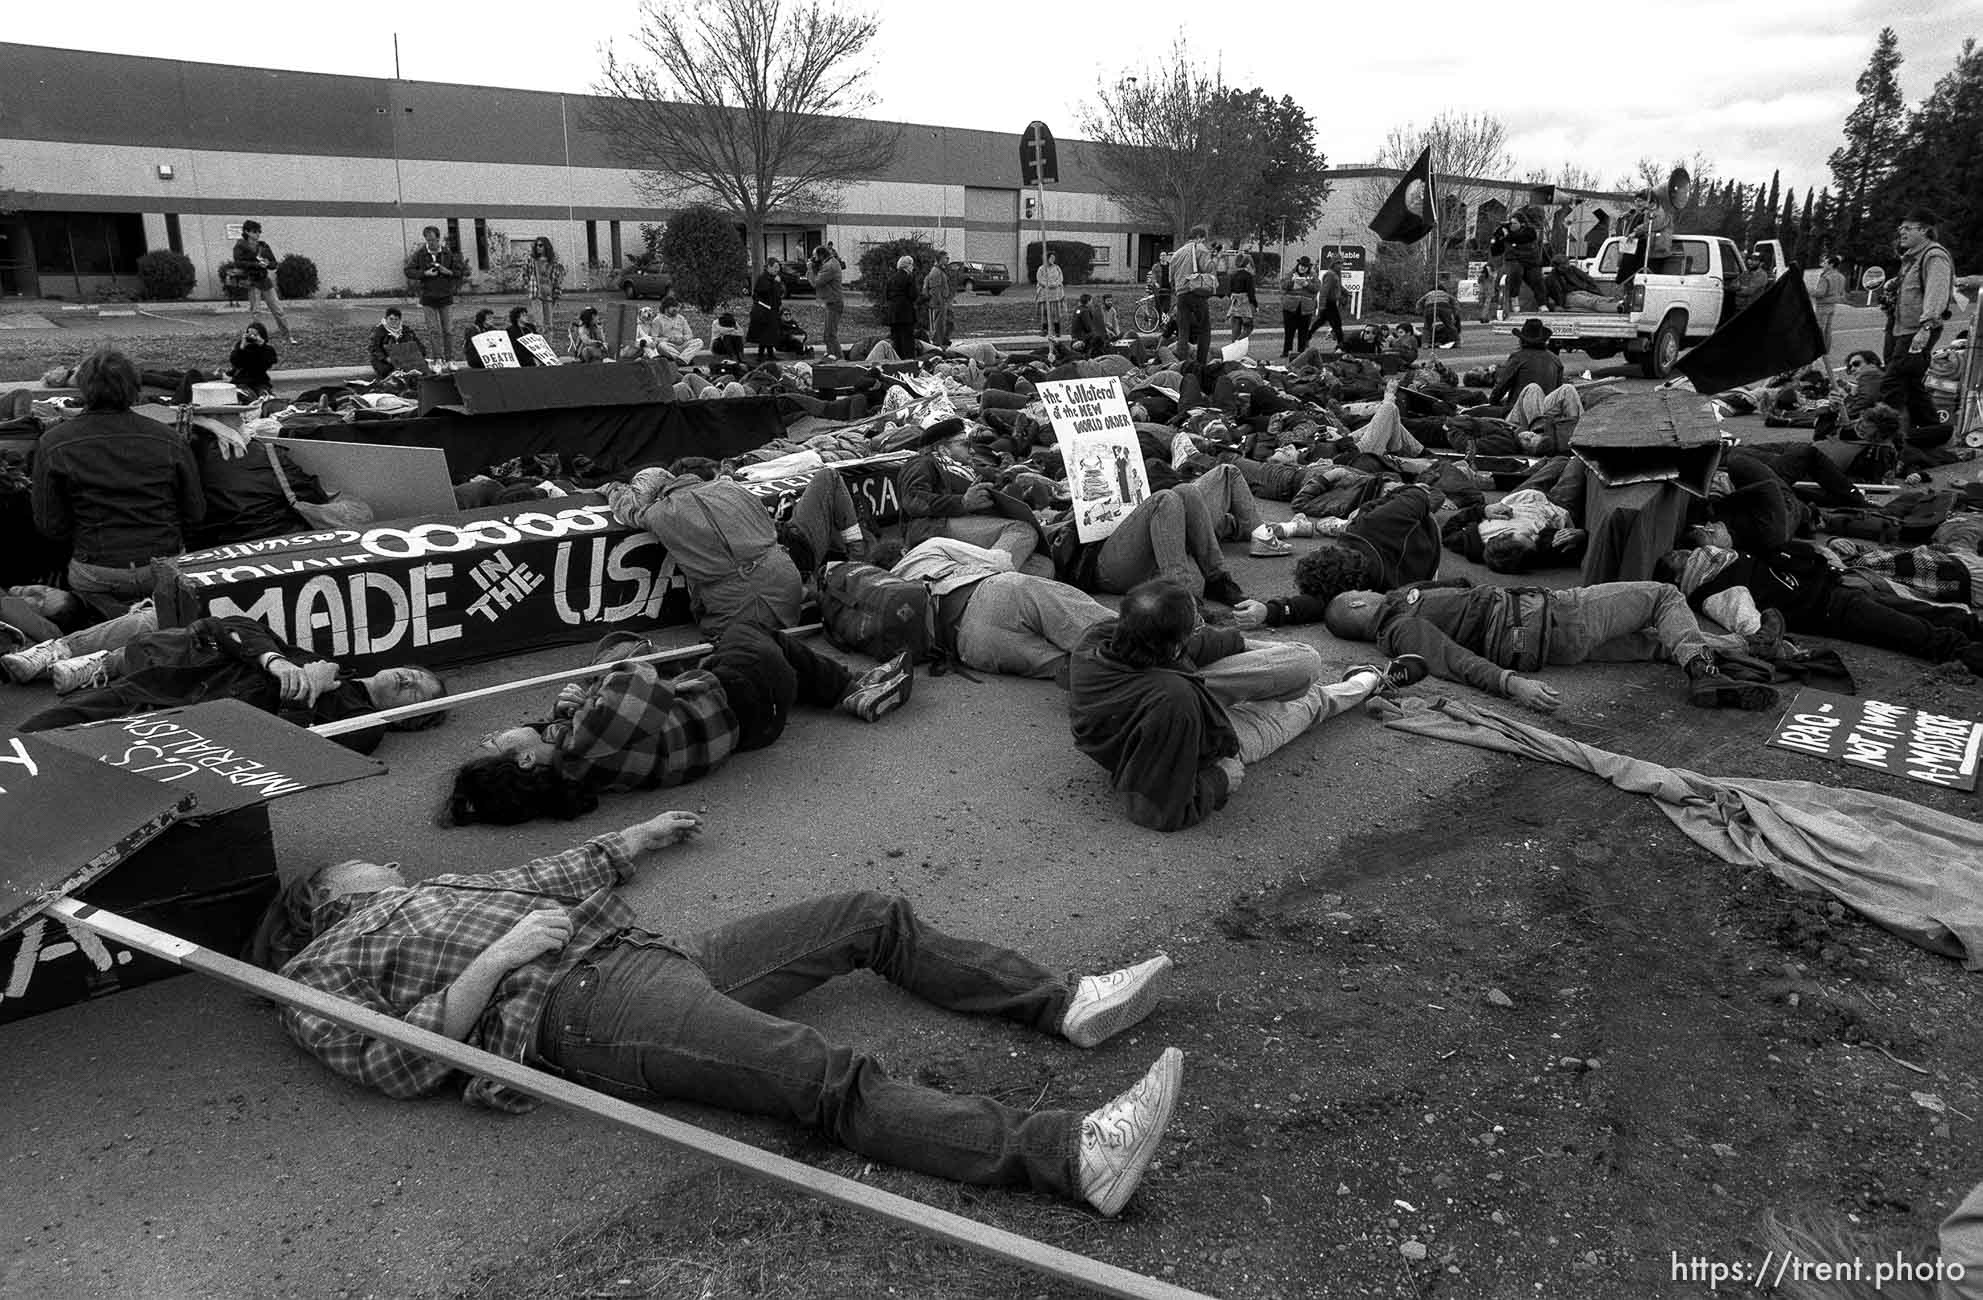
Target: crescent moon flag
{"x": 1406, "y": 216}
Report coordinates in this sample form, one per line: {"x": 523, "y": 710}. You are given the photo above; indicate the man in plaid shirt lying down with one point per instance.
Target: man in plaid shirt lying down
{"x": 543, "y": 964}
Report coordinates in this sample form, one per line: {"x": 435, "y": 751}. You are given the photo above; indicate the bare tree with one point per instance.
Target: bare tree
{"x": 1466, "y": 148}
{"x": 1569, "y": 176}
{"x": 745, "y": 104}
{"x": 1175, "y": 147}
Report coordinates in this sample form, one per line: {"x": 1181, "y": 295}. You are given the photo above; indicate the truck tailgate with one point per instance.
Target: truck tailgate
{"x": 1570, "y": 326}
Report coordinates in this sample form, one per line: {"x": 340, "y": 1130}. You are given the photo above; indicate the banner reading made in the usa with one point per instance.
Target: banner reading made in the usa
{"x": 1885, "y": 737}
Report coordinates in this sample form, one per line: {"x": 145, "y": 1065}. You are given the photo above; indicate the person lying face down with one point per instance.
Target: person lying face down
{"x": 636, "y": 727}
{"x": 1489, "y": 637}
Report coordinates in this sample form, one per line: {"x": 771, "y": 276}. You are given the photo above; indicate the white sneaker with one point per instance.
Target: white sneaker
{"x": 1119, "y": 1140}
{"x": 33, "y": 663}
{"x": 1105, "y": 1005}
{"x": 83, "y": 673}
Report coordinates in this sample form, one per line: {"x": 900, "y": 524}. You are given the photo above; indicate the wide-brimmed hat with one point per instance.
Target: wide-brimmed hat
{"x": 941, "y": 431}
{"x": 1533, "y": 331}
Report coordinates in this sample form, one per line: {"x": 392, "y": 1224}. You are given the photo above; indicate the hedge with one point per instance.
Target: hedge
{"x": 167, "y": 274}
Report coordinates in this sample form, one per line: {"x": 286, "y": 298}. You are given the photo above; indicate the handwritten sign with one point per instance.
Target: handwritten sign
{"x": 1098, "y": 443}
{"x": 493, "y": 346}
{"x": 1907, "y": 742}
{"x": 227, "y": 753}
{"x": 539, "y": 348}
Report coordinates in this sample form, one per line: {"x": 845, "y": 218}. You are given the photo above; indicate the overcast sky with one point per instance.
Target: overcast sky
{"x": 1754, "y": 85}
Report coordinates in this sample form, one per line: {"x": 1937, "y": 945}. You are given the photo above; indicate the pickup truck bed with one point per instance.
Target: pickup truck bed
{"x": 1571, "y": 326}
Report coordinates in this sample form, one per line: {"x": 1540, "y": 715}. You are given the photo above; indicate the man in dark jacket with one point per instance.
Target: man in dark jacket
{"x": 1530, "y": 363}
{"x": 240, "y": 659}
{"x": 1488, "y": 636}
{"x": 1139, "y": 704}
{"x": 899, "y": 306}
{"x": 436, "y": 271}
{"x": 1386, "y": 545}
{"x": 254, "y": 267}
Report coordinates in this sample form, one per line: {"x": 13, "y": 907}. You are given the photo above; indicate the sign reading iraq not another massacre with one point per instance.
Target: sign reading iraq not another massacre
{"x": 441, "y": 589}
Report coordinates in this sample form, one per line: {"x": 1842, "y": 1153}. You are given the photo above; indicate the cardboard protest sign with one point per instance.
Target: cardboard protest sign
{"x": 52, "y": 847}
{"x": 1098, "y": 443}
{"x": 1885, "y": 737}
{"x": 226, "y": 753}
{"x": 536, "y": 345}
{"x": 493, "y": 346}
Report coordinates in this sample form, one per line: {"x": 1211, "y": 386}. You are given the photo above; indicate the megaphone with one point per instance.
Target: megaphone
{"x": 1679, "y": 189}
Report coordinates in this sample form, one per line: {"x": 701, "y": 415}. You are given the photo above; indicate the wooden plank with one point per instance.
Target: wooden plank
{"x": 1009, "y": 1247}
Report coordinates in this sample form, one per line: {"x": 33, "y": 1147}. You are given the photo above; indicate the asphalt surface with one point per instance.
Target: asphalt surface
{"x": 170, "y": 1142}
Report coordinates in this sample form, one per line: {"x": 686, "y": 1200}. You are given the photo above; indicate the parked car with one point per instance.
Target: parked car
{"x": 793, "y": 275}
{"x": 636, "y": 283}
{"x": 990, "y": 277}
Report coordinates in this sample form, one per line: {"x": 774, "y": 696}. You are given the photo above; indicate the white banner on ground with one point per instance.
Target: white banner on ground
{"x": 1098, "y": 442}
{"x": 493, "y": 346}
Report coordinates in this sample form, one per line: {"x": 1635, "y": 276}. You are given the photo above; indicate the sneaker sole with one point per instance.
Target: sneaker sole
{"x": 1270, "y": 553}
{"x": 1113, "y": 1015}
{"x": 1168, "y": 1076}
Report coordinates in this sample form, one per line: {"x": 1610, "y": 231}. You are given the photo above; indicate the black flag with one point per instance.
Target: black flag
{"x": 1406, "y": 216}
{"x": 1775, "y": 333}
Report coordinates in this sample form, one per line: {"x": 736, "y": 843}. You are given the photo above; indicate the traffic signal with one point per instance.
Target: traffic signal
{"x": 1032, "y": 207}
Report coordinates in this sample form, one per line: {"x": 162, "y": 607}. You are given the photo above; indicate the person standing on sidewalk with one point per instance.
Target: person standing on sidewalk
{"x": 1195, "y": 277}
{"x": 1050, "y": 292}
{"x": 939, "y": 292}
{"x": 436, "y": 271}
{"x": 1331, "y": 295}
{"x": 544, "y": 280}
{"x": 254, "y": 263}
{"x": 826, "y": 286}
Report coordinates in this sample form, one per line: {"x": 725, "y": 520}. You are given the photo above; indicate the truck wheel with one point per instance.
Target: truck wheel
{"x": 1658, "y": 358}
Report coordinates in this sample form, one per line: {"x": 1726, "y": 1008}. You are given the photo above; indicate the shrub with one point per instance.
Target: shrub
{"x": 649, "y": 256}
{"x": 1266, "y": 265}
{"x": 1077, "y": 260}
{"x": 704, "y": 256}
{"x": 167, "y": 274}
{"x": 878, "y": 263}
{"x": 296, "y": 277}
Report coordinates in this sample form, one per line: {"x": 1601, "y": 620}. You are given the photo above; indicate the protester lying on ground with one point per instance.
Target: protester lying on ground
{"x": 942, "y": 496}
{"x": 1488, "y": 637}
{"x": 1523, "y": 531}
{"x": 1817, "y": 596}
{"x": 235, "y": 658}
{"x": 32, "y": 614}
{"x": 635, "y": 727}
{"x": 1141, "y": 706}
{"x": 1388, "y": 544}
{"x": 119, "y": 488}
{"x": 75, "y": 650}
{"x": 725, "y": 543}
{"x": 1764, "y": 507}
{"x": 544, "y": 964}
{"x": 991, "y": 617}
{"x": 394, "y": 346}
{"x": 1170, "y": 534}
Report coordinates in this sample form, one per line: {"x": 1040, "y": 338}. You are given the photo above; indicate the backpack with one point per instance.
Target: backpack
{"x": 870, "y": 611}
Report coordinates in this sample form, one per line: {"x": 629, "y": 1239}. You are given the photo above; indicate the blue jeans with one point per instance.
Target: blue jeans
{"x": 1623, "y": 622}
{"x": 1026, "y": 626}
{"x": 110, "y": 591}
{"x": 1194, "y": 327}
{"x": 694, "y": 1022}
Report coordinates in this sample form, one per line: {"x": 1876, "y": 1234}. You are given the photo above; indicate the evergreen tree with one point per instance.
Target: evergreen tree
{"x": 1758, "y": 219}
{"x": 1822, "y": 216}
{"x": 1808, "y": 251}
{"x": 1786, "y": 227}
{"x": 1940, "y": 163}
{"x": 1771, "y": 208}
{"x": 1873, "y": 136}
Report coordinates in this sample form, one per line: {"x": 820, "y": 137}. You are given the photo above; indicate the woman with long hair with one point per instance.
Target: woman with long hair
{"x": 543, "y": 280}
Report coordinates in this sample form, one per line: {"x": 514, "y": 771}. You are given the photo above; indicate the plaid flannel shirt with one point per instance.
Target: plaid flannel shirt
{"x": 637, "y": 730}
{"x": 1930, "y": 573}
{"x": 398, "y": 951}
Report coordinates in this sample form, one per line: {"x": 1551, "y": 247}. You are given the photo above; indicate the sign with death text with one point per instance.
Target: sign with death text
{"x": 1098, "y": 444}
{"x": 1907, "y": 742}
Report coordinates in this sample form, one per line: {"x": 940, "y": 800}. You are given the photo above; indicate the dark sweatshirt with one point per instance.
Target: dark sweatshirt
{"x": 1399, "y": 539}
{"x": 1158, "y": 730}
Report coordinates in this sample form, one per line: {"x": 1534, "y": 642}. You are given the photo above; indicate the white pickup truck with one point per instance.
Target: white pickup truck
{"x": 1670, "y": 306}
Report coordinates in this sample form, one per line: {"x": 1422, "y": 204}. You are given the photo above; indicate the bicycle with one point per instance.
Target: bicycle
{"x": 1149, "y": 320}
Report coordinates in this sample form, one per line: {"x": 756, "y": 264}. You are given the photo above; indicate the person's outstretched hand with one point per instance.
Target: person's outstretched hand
{"x": 1536, "y": 695}
{"x": 672, "y": 827}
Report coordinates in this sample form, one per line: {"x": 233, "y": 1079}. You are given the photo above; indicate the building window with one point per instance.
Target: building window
{"x": 172, "y": 239}
{"x": 481, "y": 244}
{"x": 86, "y": 243}
{"x": 1102, "y": 254}
{"x": 454, "y": 233}
{"x": 613, "y": 232}
{"x": 592, "y": 243}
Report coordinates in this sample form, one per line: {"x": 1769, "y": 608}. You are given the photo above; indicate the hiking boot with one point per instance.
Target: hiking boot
{"x": 1767, "y": 643}
{"x": 1105, "y": 1005}
{"x": 1119, "y": 1140}
{"x": 84, "y": 673}
{"x": 1710, "y": 688}
{"x": 1223, "y": 588}
{"x": 880, "y": 690}
{"x": 1405, "y": 670}
{"x": 1265, "y": 543}
{"x": 33, "y": 663}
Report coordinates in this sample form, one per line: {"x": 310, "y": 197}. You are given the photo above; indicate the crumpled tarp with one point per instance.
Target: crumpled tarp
{"x": 1910, "y": 869}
